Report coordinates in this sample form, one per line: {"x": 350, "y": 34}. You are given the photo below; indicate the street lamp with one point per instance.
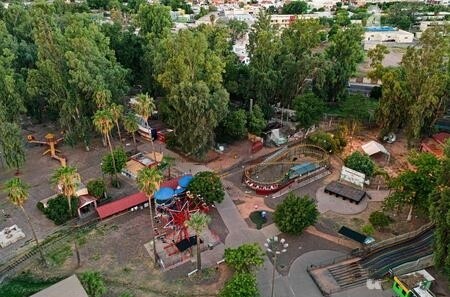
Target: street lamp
{"x": 275, "y": 247}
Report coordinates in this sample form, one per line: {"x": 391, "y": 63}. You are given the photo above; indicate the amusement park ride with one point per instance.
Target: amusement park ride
{"x": 51, "y": 142}
{"x": 174, "y": 209}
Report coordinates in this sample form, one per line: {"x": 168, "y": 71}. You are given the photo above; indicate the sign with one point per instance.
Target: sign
{"x": 353, "y": 176}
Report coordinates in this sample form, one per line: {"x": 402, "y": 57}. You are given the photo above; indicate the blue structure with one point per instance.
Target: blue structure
{"x": 380, "y": 29}
{"x": 164, "y": 195}
{"x": 302, "y": 169}
{"x": 185, "y": 180}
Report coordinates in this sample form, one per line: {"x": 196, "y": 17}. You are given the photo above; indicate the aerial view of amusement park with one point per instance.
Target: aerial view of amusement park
{"x": 224, "y": 148}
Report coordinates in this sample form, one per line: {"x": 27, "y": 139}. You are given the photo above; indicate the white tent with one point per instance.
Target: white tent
{"x": 373, "y": 147}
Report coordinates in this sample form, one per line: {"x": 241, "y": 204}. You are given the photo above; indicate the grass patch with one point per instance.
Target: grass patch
{"x": 258, "y": 219}
{"x": 25, "y": 285}
{"x": 58, "y": 256}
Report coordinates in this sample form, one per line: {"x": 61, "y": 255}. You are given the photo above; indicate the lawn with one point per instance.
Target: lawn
{"x": 25, "y": 285}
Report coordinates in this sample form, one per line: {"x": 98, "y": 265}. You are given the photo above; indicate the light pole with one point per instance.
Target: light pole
{"x": 275, "y": 247}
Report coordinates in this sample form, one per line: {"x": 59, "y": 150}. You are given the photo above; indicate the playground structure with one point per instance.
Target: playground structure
{"x": 51, "y": 142}
{"x": 298, "y": 163}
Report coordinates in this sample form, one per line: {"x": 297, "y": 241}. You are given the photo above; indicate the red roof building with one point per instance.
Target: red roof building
{"x": 435, "y": 144}
{"x": 129, "y": 202}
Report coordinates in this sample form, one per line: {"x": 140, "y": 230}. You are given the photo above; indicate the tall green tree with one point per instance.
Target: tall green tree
{"x": 376, "y": 56}
{"x": 256, "y": 121}
{"x": 341, "y": 58}
{"x": 309, "y": 109}
{"x": 74, "y": 61}
{"x": 12, "y": 145}
{"x": 130, "y": 123}
{"x": 237, "y": 29}
{"x": 296, "y": 62}
{"x": 295, "y": 7}
{"x": 421, "y": 83}
{"x": 233, "y": 127}
{"x": 154, "y": 19}
{"x": 10, "y": 81}
{"x": 116, "y": 111}
{"x": 263, "y": 49}
{"x": 103, "y": 123}
{"x": 412, "y": 188}
{"x": 194, "y": 112}
{"x": 149, "y": 181}
{"x": 198, "y": 222}
{"x": 144, "y": 107}
{"x": 17, "y": 192}
{"x": 66, "y": 178}
{"x": 356, "y": 110}
{"x": 440, "y": 214}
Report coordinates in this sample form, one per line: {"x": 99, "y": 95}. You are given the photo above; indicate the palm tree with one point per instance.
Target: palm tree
{"x": 198, "y": 222}
{"x": 103, "y": 123}
{"x": 169, "y": 161}
{"x": 149, "y": 180}
{"x": 68, "y": 179}
{"x": 17, "y": 191}
{"x": 116, "y": 111}
{"x": 145, "y": 106}
{"x": 130, "y": 124}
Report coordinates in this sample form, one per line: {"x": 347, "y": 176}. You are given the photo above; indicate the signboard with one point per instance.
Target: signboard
{"x": 353, "y": 176}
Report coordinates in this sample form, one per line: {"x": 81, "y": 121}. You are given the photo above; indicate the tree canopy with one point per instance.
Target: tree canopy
{"x": 295, "y": 213}
{"x": 208, "y": 185}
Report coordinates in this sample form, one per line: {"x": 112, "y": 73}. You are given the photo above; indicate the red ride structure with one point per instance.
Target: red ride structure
{"x": 174, "y": 214}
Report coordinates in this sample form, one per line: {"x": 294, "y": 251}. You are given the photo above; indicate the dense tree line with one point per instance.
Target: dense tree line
{"x": 59, "y": 63}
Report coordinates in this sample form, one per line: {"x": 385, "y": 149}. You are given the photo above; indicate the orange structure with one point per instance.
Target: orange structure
{"x": 51, "y": 142}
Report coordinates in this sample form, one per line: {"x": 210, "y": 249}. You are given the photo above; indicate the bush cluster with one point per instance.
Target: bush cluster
{"x": 379, "y": 219}
{"x": 58, "y": 209}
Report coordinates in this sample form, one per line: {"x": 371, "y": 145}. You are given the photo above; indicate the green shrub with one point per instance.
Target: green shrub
{"x": 24, "y": 284}
{"x": 58, "y": 209}
{"x": 96, "y": 188}
{"x": 208, "y": 185}
{"x": 93, "y": 283}
{"x": 368, "y": 229}
{"x": 244, "y": 258}
{"x": 379, "y": 220}
{"x": 332, "y": 143}
{"x": 120, "y": 158}
{"x": 242, "y": 284}
{"x": 361, "y": 163}
{"x": 295, "y": 213}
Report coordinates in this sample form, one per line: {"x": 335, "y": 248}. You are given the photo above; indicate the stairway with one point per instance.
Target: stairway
{"x": 349, "y": 275}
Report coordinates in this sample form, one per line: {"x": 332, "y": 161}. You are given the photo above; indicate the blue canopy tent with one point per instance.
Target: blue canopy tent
{"x": 164, "y": 196}
{"x": 185, "y": 180}
{"x": 179, "y": 191}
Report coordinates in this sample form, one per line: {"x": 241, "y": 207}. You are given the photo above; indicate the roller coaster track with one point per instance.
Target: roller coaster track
{"x": 379, "y": 262}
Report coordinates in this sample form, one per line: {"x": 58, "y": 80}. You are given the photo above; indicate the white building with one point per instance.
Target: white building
{"x": 378, "y": 35}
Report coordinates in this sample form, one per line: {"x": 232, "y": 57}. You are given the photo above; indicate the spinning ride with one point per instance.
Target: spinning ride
{"x": 174, "y": 208}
